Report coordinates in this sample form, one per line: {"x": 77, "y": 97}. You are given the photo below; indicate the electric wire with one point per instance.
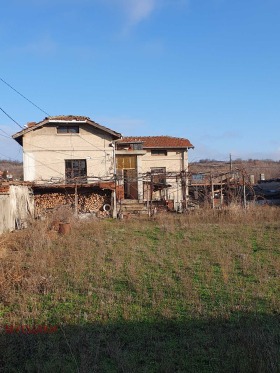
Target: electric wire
{"x": 7, "y": 137}
{"x": 6, "y": 133}
{"x": 11, "y": 118}
{"x": 43, "y": 111}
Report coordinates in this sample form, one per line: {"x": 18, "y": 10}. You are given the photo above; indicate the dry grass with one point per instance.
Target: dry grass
{"x": 185, "y": 286}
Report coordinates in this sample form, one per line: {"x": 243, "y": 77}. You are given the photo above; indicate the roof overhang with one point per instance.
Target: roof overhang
{"x": 19, "y": 135}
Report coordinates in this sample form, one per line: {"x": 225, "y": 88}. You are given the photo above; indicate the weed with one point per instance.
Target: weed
{"x": 185, "y": 293}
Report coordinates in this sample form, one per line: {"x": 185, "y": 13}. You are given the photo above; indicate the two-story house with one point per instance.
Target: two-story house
{"x": 67, "y": 149}
{"x": 153, "y": 167}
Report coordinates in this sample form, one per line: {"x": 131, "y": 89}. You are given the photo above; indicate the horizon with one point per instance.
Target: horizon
{"x": 208, "y": 72}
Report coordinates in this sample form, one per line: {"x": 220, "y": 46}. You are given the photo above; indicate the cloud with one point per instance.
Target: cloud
{"x": 137, "y": 11}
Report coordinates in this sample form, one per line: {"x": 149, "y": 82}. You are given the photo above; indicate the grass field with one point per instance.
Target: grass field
{"x": 179, "y": 293}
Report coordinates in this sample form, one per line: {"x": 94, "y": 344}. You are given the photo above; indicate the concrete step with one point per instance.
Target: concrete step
{"x": 130, "y": 201}
{"x": 133, "y": 207}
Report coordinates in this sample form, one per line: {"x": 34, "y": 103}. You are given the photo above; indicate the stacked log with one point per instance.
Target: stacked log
{"x": 49, "y": 201}
{"x": 87, "y": 202}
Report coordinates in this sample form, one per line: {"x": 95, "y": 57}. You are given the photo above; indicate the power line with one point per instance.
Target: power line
{"x": 7, "y": 137}
{"x": 11, "y": 118}
{"x": 43, "y": 111}
{"x": 6, "y": 133}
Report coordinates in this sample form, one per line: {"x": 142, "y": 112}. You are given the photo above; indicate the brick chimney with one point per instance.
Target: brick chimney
{"x": 31, "y": 124}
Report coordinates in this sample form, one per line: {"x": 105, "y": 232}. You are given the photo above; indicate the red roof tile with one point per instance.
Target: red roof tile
{"x": 160, "y": 142}
{"x": 68, "y": 118}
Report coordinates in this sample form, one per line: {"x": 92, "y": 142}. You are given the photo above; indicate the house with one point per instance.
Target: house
{"x": 71, "y": 149}
{"x": 66, "y": 148}
{"x": 154, "y": 167}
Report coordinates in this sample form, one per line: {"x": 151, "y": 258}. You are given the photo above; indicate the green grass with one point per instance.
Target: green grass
{"x": 174, "y": 294}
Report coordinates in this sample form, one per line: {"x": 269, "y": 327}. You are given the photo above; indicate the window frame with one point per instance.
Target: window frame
{"x": 75, "y": 172}
{"x": 59, "y": 130}
{"x": 158, "y": 175}
{"x": 159, "y": 152}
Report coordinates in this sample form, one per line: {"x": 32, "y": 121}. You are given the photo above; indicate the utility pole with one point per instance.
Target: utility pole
{"x": 230, "y": 163}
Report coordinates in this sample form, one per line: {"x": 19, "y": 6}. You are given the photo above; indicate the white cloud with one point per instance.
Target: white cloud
{"x": 137, "y": 10}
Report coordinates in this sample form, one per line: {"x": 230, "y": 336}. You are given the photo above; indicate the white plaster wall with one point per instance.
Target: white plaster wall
{"x": 45, "y": 152}
{"x": 17, "y": 204}
{"x": 5, "y": 218}
{"x": 174, "y": 161}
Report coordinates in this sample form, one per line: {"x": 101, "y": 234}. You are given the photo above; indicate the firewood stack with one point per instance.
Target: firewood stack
{"x": 89, "y": 202}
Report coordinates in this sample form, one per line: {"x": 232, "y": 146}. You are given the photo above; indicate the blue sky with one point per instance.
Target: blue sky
{"x": 207, "y": 70}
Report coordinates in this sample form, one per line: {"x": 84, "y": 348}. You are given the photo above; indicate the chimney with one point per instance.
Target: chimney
{"x": 31, "y": 124}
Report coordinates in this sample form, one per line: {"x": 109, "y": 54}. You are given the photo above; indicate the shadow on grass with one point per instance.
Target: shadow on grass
{"x": 245, "y": 343}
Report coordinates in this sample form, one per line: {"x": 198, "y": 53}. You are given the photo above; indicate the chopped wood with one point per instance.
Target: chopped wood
{"x": 87, "y": 202}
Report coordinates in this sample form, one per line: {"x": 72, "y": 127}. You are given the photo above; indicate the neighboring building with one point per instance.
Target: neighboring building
{"x": 66, "y": 148}
{"x": 268, "y": 191}
{"x": 153, "y": 167}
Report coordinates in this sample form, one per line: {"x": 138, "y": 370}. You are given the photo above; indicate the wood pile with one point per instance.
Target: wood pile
{"x": 87, "y": 202}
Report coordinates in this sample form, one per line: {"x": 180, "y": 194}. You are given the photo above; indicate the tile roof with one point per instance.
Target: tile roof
{"x": 68, "y": 118}
{"x": 158, "y": 141}
{"x": 65, "y": 118}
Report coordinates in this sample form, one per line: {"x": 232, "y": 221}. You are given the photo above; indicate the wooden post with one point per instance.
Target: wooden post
{"x": 212, "y": 191}
{"x": 151, "y": 194}
{"x": 148, "y": 197}
{"x": 244, "y": 192}
{"x": 177, "y": 208}
{"x": 183, "y": 184}
{"x": 76, "y": 199}
{"x": 221, "y": 191}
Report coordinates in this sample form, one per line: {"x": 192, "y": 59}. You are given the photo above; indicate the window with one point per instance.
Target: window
{"x": 137, "y": 146}
{"x": 132, "y": 146}
{"x": 68, "y": 129}
{"x": 197, "y": 177}
{"x": 158, "y": 152}
{"x": 75, "y": 168}
{"x": 158, "y": 175}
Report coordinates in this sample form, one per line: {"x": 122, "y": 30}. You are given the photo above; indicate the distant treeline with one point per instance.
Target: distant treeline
{"x": 267, "y": 167}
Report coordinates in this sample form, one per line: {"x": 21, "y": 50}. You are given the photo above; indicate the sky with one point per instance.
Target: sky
{"x": 206, "y": 70}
